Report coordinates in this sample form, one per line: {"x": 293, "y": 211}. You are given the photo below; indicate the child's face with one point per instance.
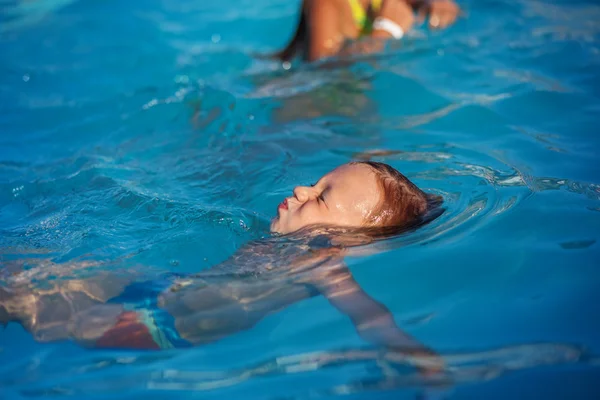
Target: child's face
{"x": 344, "y": 197}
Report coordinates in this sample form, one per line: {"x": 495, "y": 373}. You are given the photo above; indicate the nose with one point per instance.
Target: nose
{"x": 302, "y": 193}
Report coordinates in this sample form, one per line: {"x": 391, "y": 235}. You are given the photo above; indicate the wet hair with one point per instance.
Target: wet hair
{"x": 403, "y": 204}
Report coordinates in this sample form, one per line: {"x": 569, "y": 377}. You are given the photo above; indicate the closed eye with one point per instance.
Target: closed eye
{"x": 321, "y": 198}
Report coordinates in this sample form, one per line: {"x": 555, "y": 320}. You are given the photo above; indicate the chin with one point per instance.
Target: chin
{"x": 277, "y": 228}
{"x": 273, "y": 227}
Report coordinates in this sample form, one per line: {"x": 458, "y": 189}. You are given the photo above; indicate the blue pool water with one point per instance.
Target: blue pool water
{"x": 148, "y": 136}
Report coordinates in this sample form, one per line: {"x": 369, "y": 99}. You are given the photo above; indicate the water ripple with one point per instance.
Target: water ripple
{"x": 392, "y": 372}
{"x": 160, "y": 143}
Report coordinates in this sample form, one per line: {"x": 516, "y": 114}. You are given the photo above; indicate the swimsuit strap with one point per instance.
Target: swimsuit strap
{"x": 360, "y": 15}
{"x": 376, "y": 5}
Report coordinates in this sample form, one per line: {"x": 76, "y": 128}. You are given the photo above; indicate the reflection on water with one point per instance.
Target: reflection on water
{"x": 20, "y": 13}
{"x": 391, "y": 371}
{"x": 459, "y": 368}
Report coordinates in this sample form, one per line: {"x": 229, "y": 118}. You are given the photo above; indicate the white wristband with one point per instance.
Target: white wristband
{"x": 384, "y": 24}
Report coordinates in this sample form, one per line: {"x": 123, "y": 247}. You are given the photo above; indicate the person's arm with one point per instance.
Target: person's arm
{"x": 372, "y": 320}
{"x": 396, "y": 11}
{"x": 325, "y": 38}
{"x": 441, "y": 13}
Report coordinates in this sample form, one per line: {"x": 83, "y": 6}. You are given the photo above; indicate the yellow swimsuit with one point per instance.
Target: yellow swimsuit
{"x": 360, "y": 15}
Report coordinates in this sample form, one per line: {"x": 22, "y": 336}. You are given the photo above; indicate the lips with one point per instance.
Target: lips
{"x": 283, "y": 205}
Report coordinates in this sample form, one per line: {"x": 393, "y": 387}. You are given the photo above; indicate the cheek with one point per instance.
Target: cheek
{"x": 307, "y": 214}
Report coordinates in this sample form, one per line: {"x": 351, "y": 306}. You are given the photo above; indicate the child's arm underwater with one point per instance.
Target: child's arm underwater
{"x": 372, "y": 320}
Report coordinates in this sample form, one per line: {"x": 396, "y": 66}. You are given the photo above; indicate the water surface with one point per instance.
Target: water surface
{"x": 149, "y": 136}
